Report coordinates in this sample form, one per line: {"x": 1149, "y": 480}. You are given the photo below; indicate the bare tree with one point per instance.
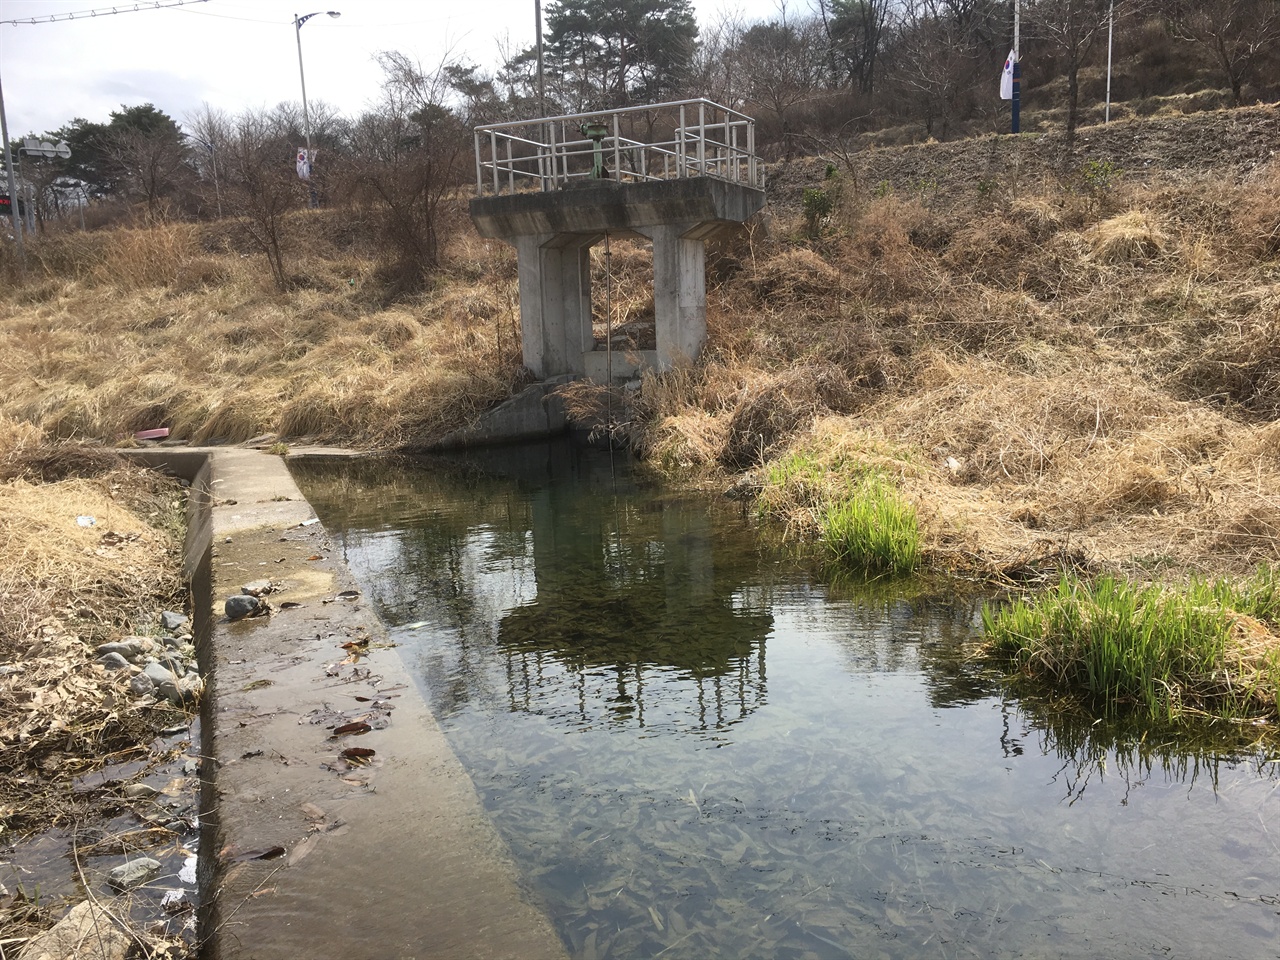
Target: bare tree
{"x": 150, "y": 158}
{"x": 785, "y": 65}
{"x": 408, "y": 156}
{"x": 1238, "y": 33}
{"x": 211, "y": 131}
{"x": 941, "y": 49}
{"x": 1070, "y": 28}
{"x": 264, "y": 185}
{"x": 716, "y": 71}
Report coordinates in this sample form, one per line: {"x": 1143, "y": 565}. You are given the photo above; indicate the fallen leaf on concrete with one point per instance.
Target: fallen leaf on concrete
{"x": 356, "y": 728}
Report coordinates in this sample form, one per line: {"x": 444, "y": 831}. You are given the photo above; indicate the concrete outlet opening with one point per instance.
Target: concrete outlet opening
{"x": 622, "y": 300}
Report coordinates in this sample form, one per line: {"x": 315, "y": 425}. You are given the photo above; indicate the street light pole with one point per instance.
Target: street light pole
{"x": 306, "y": 116}
{"x": 13, "y": 190}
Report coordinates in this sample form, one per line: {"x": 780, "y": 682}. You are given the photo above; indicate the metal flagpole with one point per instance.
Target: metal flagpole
{"x": 1017, "y": 68}
{"x": 1111, "y": 23}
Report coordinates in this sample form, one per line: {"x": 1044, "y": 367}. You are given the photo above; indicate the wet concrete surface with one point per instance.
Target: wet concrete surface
{"x": 319, "y": 854}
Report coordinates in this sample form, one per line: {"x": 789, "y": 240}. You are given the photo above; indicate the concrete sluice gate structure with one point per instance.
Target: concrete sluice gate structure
{"x": 674, "y": 174}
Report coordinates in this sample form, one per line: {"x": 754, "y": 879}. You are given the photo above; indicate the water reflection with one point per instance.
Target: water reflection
{"x": 1137, "y": 755}
{"x": 694, "y": 749}
{"x": 619, "y": 608}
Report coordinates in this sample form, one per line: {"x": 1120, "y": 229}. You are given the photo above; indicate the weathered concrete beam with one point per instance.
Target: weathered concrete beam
{"x": 606, "y": 206}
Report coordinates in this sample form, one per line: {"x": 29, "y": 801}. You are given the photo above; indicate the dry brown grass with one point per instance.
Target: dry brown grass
{"x": 150, "y": 329}
{"x": 83, "y": 560}
{"x": 96, "y": 571}
{"x": 1073, "y": 367}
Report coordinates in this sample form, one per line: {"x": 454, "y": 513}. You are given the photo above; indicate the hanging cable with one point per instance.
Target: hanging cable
{"x": 105, "y": 11}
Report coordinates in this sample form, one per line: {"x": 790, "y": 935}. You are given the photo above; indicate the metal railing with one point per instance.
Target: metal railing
{"x": 663, "y": 141}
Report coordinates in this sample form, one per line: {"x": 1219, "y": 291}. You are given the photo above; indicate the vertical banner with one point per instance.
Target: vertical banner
{"x": 304, "y": 163}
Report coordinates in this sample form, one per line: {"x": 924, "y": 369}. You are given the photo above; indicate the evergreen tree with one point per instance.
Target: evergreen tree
{"x": 615, "y": 53}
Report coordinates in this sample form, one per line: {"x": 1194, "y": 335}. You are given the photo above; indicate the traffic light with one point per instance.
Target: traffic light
{"x": 6, "y": 206}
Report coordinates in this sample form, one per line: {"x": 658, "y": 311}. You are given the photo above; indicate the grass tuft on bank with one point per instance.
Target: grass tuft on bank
{"x": 864, "y": 523}
{"x": 1209, "y": 649}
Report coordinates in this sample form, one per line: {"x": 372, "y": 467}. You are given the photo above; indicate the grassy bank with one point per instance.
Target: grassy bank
{"x": 1209, "y": 649}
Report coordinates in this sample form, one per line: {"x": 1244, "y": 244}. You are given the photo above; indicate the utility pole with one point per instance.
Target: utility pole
{"x": 306, "y": 116}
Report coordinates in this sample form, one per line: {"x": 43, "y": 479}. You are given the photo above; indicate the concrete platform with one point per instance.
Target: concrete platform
{"x": 393, "y": 858}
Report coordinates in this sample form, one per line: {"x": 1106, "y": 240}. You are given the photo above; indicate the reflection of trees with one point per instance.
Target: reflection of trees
{"x": 634, "y": 621}
{"x": 917, "y": 626}
{"x": 597, "y": 599}
{"x": 622, "y": 655}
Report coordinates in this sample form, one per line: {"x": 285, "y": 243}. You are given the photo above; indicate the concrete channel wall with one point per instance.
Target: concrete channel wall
{"x": 306, "y": 853}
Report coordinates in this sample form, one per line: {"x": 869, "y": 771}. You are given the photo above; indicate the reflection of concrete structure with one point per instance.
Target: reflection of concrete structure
{"x": 633, "y": 622}
{"x": 693, "y": 174}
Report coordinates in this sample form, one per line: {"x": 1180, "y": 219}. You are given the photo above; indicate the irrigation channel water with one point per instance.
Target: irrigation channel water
{"x": 695, "y": 747}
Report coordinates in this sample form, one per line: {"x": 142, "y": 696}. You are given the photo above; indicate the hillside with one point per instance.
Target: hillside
{"x": 1061, "y": 354}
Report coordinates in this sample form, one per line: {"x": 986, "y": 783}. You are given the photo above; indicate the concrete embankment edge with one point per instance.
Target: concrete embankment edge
{"x": 393, "y": 859}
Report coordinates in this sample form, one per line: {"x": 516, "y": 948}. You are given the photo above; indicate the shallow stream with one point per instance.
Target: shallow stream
{"x": 696, "y": 747}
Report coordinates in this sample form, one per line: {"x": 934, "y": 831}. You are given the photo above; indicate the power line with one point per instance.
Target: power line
{"x": 105, "y": 11}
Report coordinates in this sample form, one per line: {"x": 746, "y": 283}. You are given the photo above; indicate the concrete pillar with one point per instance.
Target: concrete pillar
{"x": 555, "y": 301}
{"x": 679, "y": 292}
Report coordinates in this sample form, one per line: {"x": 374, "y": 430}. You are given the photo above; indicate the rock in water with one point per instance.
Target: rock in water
{"x": 241, "y": 606}
{"x": 182, "y": 691}
{"x": 132, "y": 872}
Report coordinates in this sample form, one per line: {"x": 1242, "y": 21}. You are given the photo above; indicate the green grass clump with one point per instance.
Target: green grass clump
{"x": 862, "y": 521}
{"x": 1206, "y": 649}
{"x": 872, "y": 529}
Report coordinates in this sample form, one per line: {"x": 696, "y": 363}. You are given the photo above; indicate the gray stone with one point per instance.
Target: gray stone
{"x": 142, "y": 685}
{"x": 132, "y": 872}
{"x": 131, "y": 648}
{"x": 239, "y": 607}
{"x": 114, "y": 661}
{"x": 87, "y": 932}
{"x": 256, "y": 588}
{"x": 182, "y": 691}
{"x": 174, "y": 664}
{"x": 172, "y": 643}
{"x": 140, "y": 791}
{"x": 170, "y": 621}
{"x": 158, "y": 673}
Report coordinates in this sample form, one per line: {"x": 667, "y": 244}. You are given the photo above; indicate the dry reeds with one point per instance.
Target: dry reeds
{"x": 83, "y": 560}
{"x": 1076, "y": 362}
{"x": 81, "y": 541}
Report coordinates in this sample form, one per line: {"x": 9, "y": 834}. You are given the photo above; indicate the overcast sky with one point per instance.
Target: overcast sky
{"x": 242, "y": 54}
